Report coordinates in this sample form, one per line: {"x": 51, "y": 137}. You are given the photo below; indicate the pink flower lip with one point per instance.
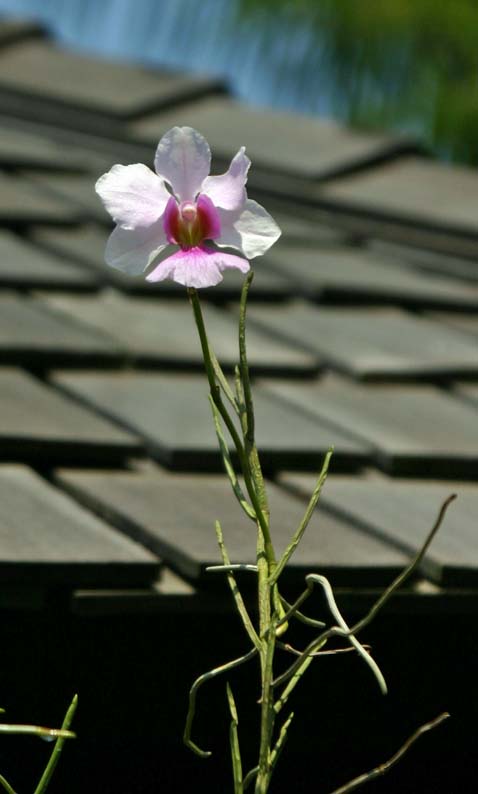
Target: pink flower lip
{"x": 189, "y": 224}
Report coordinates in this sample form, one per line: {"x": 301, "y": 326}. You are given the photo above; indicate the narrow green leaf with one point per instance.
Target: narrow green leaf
{"x": 234, "y": 743}
{"x": 222, "y": 380}
{"x": 241, "y": 607}
{"x": 294, "y": 679}
{"x": 210, "y": 372}
{"x": 292, "y": 610}
{"x": 251, "y": 775}
{"x": 248, "y": 509}
{"x": 193, "y": 694}
{"x": 305, "y": 521}
{"x": 279, "y": 746}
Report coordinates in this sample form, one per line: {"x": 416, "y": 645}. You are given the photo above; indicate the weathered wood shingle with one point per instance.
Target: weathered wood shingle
{"x": 174, "y": 515}
{"x": 386, "y": 238}
{"x": 47, "y": 539}
{"x": 38, "y": 424}
{"x": 172, "y": 415}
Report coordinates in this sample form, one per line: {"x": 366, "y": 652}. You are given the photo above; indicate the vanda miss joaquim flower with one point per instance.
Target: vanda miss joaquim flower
{"x": 182, "y": 205}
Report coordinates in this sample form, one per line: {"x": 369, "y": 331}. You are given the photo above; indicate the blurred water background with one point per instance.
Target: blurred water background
{"x": 409, "y": 65}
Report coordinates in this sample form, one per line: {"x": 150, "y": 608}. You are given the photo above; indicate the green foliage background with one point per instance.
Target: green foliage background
{"x": 403, "y": 64}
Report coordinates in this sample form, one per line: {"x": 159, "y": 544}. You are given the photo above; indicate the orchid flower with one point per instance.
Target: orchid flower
{"x": 182, "y": 205}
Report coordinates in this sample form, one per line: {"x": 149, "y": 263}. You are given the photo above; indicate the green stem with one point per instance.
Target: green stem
{"x": 56, "y": 752}
{"x": 6, "y": 785}
{"x": 267, "y": 712}
{"x": 216, "y": 397}
{"x": 269, "y": 604}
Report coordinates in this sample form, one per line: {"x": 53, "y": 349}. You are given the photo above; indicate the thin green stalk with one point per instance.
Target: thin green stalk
{"x": 57, "y": 749}
{"x": 216, "y": 396}
{"x": 226, "y": 458}
{"x": 6, "y": 785}
{"x": 36, "y": 730}
{"x": 269, "y": 602}
{"x": 210, "y": 372}
{"x": 244, "y": 391}
{"x": 248, "y": 426}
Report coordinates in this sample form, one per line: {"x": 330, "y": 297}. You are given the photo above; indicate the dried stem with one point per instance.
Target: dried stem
{"x": 381, "y": 769}
{"x": 285, "y": 646}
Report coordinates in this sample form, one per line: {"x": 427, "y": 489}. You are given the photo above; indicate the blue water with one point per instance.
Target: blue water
{"x": 265, "y": 60}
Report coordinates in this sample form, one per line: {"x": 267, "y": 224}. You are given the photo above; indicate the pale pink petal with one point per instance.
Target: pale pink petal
{"x": 197, "y": 267}
{"x": 133, "y": 195}
{"x": 251, "y": 230}
{"x": 183, "y": 158}
{"x": 228, "y": 190}
{"x": 132, "y": 250}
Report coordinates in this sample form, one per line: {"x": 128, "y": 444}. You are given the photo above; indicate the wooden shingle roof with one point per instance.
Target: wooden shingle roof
{"x": 363, "y": 331}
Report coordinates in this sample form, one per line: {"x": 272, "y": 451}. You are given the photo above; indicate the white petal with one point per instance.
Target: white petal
{"x": 133, "y": 195}
{"x": 228, "y": 190}
{"x": 132, "y": 250}
{"x": 183, "y": 158}
{"x": 253, "y": 231}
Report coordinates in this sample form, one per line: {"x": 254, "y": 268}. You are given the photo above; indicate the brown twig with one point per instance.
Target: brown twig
{"x": 331, "y": 652}
{"x": 381, "y": 769}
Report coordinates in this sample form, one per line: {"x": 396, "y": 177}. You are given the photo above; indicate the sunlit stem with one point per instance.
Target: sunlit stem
{"x": 248, "y": 430}
{"x": 229, "y": 423}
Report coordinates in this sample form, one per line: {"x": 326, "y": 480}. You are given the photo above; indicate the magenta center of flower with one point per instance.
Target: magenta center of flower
{"x": 190, "y": 223}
